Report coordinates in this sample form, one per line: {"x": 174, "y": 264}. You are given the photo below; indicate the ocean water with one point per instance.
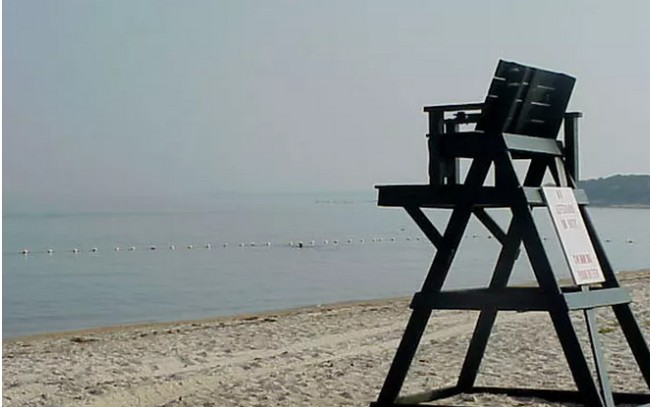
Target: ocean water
{"x": 359, "y": 251}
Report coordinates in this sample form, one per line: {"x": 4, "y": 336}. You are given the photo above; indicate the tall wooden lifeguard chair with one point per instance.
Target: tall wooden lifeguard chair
{"x": 519, "y": 120}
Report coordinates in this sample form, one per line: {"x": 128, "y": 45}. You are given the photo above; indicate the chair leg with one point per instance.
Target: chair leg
{"x": 433, "y": 283}
{"x": 403, "y": 357}
{"x": 420, "y": 317}
{"x": 623, "y": 312}
{"x": 486, "y": 319}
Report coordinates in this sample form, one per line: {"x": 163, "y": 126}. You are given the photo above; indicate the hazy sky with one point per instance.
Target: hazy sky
{"x": 110, "y": 99}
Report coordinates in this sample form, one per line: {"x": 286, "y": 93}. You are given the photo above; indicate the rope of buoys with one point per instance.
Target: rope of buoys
{"x": 292, "y": 243}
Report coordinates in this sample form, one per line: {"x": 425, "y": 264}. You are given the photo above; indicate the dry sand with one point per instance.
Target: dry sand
{"x": 334, "y": 355}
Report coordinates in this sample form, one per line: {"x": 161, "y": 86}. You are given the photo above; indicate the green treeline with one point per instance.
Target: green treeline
{"x": 626, "y": 190}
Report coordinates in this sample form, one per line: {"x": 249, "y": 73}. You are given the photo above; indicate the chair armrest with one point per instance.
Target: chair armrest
{"x": 437, "y": 114}
{"x": 454, "y": 108}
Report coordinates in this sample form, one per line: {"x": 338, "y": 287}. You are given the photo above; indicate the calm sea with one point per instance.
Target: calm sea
{"x": 352, "y": 250}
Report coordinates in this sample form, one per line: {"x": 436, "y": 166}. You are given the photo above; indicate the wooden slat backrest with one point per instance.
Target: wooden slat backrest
{"x": 525, "y": 100}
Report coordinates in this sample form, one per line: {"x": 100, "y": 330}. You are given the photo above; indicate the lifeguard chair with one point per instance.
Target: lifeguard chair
{"x": 520, "y": 119}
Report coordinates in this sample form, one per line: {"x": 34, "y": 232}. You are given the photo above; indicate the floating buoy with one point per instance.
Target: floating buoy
{"x": 335, "y": 242}
{"x": 630, "y": 241}
{"x": 608, "y": 240}
{"x": 190, "y": 247}
{"x": 172, "y": 247}
{"x": 408, "y": 239}
{"x": 300, "y": 245}
{"x": 381, "y": 239}
{"x": 312, "y": 243}
{"x": 152, "y": 247}
{"x": 94, "y": 250}
{"x": 325, "y": 242}
{"x": 225, "y": 245}
{"x": 75, "y": 250}
{"x": 241, "y": 245}
{"x": 361, "y": 241}
{"x": 117, "y": 249}
{"x": 490, "y": 237}
{"x": 25, "y": 251}
{"x": 208, "y": 246}
{"x": 474, "y": 236}
{"x": 132, "y": 248}
{"x": 50, "y": 251}
{"x": 392, "y": 239}
{"x": 417, "y": 238}
{"x": 349, "y": 241}
{"x": 268, "y": 244}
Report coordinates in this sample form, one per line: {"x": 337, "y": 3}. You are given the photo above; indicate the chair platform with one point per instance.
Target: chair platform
{"x": 450, "y": 196}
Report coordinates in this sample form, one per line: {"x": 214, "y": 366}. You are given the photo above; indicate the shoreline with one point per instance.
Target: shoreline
{"x": 215, "y": 319}
{"x": 334, "y": 354}
{"x": 626, "y": 274}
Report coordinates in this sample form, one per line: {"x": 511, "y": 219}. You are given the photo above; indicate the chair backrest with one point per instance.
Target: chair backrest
{"x": 526, "y": 101}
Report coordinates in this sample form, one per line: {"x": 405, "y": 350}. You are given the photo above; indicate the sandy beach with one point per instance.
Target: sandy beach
{"x": 331, "y": 355}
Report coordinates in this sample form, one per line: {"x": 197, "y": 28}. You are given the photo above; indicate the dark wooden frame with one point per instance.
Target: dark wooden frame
{"x": 495, "y": 147}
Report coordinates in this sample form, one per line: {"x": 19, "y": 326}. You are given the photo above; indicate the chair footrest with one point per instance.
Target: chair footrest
{"x": 520, "y": 299}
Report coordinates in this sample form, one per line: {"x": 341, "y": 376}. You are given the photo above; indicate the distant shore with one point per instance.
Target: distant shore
{"x": 335, "y": 354}
{"x": 621, "y": 206}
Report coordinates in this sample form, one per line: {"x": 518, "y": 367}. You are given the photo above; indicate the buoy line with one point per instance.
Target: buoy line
{"x": 311, "y": 243}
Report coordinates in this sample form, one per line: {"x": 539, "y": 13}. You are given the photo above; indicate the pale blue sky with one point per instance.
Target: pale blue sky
{"x": 126, "y": 99}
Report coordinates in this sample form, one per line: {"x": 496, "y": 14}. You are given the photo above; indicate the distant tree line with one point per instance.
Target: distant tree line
{"x": 632, "y": 190}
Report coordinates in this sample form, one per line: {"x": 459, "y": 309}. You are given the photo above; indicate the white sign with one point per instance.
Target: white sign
{"x": 573, "y": 235}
